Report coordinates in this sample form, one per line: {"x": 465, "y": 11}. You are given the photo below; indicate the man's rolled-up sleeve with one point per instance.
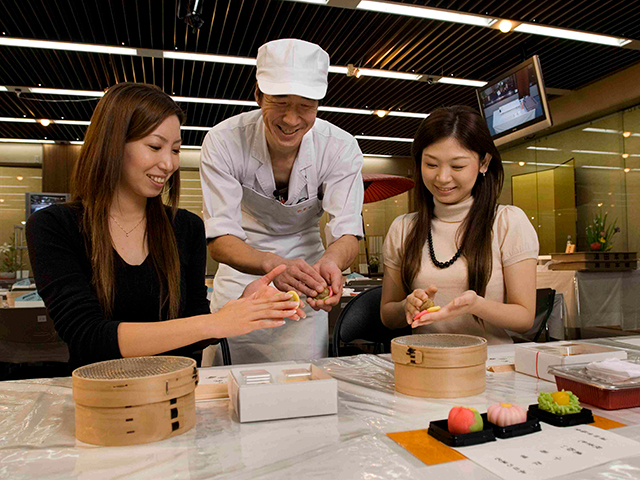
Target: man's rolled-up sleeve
{"x": 221, "y": 190}
{"x": 344, "y": 193}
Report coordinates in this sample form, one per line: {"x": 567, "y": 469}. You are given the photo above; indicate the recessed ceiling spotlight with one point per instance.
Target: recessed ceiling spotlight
{"x": 627, "y": 170}
{"x": 381, "y": 113}
{"x": 505, "y": 26}
{"x": 625, "y": 155}
{"x": 45, "y": 122}
{"x": 20, "y": 178}
{"x": 626, "y": 134}
{"x": 521, "y": 163}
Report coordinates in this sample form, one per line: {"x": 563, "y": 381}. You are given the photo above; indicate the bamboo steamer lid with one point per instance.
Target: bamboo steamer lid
{"x": 134, "y": 400}
{"x": 128, "y": 382}
{"x": 439, "y": 365}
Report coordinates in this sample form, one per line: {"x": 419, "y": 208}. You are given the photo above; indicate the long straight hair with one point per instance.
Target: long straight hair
{"x": 126, "y": 113}
{"x": 465, "y": 125}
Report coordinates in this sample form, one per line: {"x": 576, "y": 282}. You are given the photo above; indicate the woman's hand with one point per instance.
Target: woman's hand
{"x": 245, "y": 315}
{"x": 458, "y": 306}
{"x": 415, "y": 300}
{"x": 261, "y": 288}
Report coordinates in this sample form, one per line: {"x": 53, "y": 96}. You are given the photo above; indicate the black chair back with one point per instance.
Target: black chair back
{"x": 545, "y": 298}
{"x": 360, "y": 320}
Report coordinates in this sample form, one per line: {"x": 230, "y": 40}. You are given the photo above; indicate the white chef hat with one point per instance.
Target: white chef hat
{"x": 292, "y": 67}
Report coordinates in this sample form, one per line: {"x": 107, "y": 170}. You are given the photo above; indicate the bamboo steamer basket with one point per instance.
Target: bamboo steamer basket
{"x": 136, "y": 400}
{"x": 439, "y": 365}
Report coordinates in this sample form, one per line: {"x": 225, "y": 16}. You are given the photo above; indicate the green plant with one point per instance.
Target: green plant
{"x": 599, "y": 236}
{"x": 374, "y": 261}
{"x": 9, "y": 256}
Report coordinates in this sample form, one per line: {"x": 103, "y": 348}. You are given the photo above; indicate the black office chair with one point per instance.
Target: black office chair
{"x": 545, "y": 298}
{"x": 360, "y": 320}
{"x": 226, "y": 353}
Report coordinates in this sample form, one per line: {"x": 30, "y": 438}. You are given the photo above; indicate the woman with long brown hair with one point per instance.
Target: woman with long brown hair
{"x": 121, "y": 273}
{"x": 479, "y": 257}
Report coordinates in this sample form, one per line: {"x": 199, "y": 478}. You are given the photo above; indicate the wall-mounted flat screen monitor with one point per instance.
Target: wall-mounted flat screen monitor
{"x": 515, "y": 103}
{"x": 36, "y": 201}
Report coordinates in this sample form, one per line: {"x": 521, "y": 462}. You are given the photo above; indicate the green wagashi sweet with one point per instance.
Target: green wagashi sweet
{"x": 323, "y": 295}
{"x": 560, "y": 403}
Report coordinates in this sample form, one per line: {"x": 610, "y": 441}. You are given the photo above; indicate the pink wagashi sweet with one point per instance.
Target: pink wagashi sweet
{"x": 505, "y": 414}
{"x": 464, "y": 420}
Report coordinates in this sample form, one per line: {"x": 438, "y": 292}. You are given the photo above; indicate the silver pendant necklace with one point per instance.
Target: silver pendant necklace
{"x": 121, "y": 228}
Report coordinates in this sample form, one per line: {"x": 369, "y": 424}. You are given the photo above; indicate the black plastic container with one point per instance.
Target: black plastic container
{"x": 583, "y": 416}
{"x": 439, "y": 430}
{"x": 532, "y": 425}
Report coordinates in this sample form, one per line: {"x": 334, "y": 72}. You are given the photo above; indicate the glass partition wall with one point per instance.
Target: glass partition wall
{"x": 603, "y": 157}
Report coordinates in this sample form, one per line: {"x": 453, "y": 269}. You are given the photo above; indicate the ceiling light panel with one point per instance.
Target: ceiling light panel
{"x": 571, "y": 35}
{"x": 424, "y": 12}
{"x": 67, "y": 46}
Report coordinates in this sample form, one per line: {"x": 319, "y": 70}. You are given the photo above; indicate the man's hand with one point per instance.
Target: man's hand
{"x": 330, "y": 272}
{"x": 298, "y": 275}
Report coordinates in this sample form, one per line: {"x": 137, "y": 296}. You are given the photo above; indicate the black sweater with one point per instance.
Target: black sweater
{"x": 63, "y": 273}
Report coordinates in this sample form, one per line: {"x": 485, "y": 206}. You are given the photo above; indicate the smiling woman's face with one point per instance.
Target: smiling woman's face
{"x": 287, "y": 118}
{"x": 449, "y": 171}
{"x": 150, "y": 161}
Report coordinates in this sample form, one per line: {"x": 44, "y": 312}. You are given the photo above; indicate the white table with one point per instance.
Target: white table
{"x": 37, "y": 424}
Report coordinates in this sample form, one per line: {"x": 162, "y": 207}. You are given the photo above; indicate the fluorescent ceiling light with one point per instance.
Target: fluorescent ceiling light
{"x": 600, "y": 167}
{"x": 600, "y": 130}
{"x": 571, "y": 35}
{"x": 384, "y": 139}
{"x": 596, "y": 152}
{"x": 407, "y": 114}
{"x": 61, "y": 91}
{"x": 191, "y": 147}
{"x": 546, "y": 149}
{"x": 607, "y": 130}
{"x": 72, "y": 122}
{"x": 18, "y": 120}
{"x": 424, "y": 12}
{"x": 205, "y": 57}
{"x": 199, "y": 129}
{"x": 3, "y": 89}
{"x": 337, "y": 69}
{"x": 199, "y": 57}
{"x": 374, "y": 155}
{"x": 23, "y": 140}
{"x": 216, "y": 101}
{"x": 372, "y": 72}
{"x": 355, "y": 111}
{"x": 76, "y": 143}
{"x": 67, "y": 46}
{"x": 462, "y": 81}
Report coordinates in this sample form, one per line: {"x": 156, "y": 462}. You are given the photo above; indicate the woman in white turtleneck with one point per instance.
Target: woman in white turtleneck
{"x": 475, "y": 259}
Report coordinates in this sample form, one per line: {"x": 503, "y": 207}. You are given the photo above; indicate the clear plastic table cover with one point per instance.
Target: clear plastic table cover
{"x": 37, "y": 434}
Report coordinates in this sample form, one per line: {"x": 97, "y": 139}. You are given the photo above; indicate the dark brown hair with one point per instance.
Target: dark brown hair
{"x": 465, "y": 125}
{"x": 126, "y": 113}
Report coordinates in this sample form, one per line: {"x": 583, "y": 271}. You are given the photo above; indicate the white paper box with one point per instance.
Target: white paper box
{"x": 253, "y": 403}
{"x": 534, "y": 358}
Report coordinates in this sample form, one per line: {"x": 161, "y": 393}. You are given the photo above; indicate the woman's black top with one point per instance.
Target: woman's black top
{"x": 63, "y": 273}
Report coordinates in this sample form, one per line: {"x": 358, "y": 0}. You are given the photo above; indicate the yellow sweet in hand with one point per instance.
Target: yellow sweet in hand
{"x": 433, "y": 309}
{"x": 294, "y": 297}
{"x": 561, "y": 398}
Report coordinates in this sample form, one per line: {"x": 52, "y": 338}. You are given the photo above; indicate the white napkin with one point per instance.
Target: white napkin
{"x": 614, "y": 369}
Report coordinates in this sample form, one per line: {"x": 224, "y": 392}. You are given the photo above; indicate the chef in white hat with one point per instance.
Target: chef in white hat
{"x": 267, "y": 177}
